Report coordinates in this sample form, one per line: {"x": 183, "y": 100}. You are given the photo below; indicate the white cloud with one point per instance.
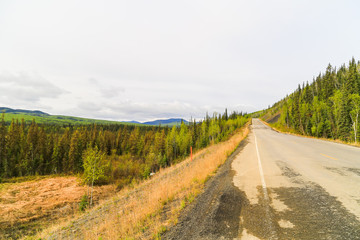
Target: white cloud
{"x": 124, "y": 111}
{"x": 106, "y": 90}
{"x": 26, "y": 90}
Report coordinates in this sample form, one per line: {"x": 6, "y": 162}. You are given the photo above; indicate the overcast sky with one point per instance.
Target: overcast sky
{"x": 141, "y": 60}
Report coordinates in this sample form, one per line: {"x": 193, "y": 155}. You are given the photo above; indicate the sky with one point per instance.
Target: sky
{"x": 143, "y": 60}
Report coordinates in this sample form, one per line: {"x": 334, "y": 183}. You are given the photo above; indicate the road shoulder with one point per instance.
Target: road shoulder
{"x": 216, "y": 211}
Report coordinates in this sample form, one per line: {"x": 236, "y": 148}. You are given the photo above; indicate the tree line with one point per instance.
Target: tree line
{"x": 329, "y": 107}
{"x": 130, "y": 151}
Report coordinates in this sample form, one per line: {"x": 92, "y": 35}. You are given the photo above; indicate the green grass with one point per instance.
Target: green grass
{"x": 58, "y": 119}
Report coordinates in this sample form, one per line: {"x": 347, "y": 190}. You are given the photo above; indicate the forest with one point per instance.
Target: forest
{"x": 130, "y": 152}
{"x": 329, "y": 107}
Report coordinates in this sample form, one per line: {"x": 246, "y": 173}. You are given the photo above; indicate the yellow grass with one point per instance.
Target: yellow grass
{"x": 154, "y": 205}
{"x": 35, "y": 204}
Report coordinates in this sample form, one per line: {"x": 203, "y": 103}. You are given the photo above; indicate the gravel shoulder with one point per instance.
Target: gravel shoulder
{"x": 215, "y": 214}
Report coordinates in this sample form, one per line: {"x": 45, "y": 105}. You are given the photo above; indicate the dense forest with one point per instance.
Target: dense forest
{"x": 329, "y": 107}
{"x": 131, "y": 152}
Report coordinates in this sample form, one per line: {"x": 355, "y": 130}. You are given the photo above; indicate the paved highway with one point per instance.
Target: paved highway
{"x": 297, "y": 188}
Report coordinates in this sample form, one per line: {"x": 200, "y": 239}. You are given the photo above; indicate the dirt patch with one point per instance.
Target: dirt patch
{"x": 216, "y": 212}
{"x": 27, "y": 207}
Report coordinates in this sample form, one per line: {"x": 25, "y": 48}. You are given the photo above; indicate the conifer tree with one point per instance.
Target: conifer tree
{"x": 76, "y": 151}
{"x": 32, "y": 142}
{"x": 3, "y": 160}
{"x": 354, "y": 114}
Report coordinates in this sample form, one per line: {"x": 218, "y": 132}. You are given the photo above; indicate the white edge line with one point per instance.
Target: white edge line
{"x": 263, "y": 183}
{"x": 266, "y": 196}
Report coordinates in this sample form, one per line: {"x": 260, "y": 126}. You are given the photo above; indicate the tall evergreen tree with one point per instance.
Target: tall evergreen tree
{"x": 3, "y": 160}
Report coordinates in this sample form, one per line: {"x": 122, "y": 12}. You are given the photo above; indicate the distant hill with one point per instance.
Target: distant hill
{"x": 136, "y": 122}
{"x": 42, "y": 117}
{"x": 163, "y": 122}
{"x": 167, "y": 122}
{"x": 21, "y": 111}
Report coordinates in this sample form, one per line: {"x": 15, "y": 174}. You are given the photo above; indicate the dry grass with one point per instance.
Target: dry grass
{"x": 28, "y": 206}
{"x": 154, "y": 205}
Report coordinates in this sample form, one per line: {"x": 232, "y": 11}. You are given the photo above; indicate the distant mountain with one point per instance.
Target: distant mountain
{"x": 132, "y": 122}
{"x": 21, "y": 111}
{"x": 167, "y": 122}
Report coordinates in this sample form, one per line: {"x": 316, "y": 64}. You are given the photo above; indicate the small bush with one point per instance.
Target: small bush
{"x": 84, "y": 203}
{"x": 146, "y": 172}
{"x": 182, "y": 204}
{"x": 161, "y": 231}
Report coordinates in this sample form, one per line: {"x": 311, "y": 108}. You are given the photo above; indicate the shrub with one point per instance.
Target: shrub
{"x": 83, "y": 203}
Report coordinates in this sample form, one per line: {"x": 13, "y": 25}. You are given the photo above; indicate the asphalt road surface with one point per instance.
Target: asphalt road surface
{"x": 279, "y": 186}
{"x": 297, "y": 188}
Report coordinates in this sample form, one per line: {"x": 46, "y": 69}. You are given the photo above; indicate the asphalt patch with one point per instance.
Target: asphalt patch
{"x": 260, "y": 219}
{"x": 336, "y": 170}
{"x": 354, "y": 170}
{"x": 315, "y": 215}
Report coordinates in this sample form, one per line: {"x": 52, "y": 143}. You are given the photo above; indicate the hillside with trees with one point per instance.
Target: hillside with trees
{"x": 329, "y": 107}
{"x": 45, "y": 118}
{"x": 131, "y": 152}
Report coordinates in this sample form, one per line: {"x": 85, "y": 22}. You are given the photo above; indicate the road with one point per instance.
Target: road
{"x": 279, "y": 186}
{"x": 297, "y": 188}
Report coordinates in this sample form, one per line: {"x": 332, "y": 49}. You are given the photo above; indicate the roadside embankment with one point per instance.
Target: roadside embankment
{"x": 287, "y": 130}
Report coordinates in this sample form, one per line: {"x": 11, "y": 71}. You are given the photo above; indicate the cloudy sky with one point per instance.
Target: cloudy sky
{"x": 141, "y": 60}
